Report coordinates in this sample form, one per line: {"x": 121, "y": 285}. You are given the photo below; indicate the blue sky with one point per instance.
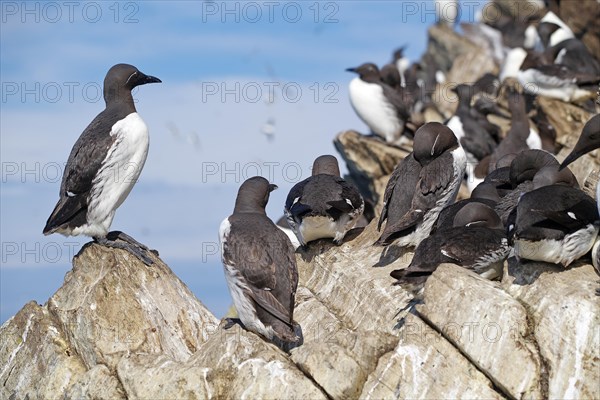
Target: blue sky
{"x": 229, "y": 71}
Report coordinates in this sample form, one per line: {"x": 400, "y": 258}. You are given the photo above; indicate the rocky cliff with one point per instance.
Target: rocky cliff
{"x": 120, "y": 329}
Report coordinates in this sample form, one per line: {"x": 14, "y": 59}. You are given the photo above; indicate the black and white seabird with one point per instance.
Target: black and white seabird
{"x": 589, "y": 140}
{"x": 528, "y": 171}
{"x": 476, "y": 240}
{"x": 402, "y": 64}
{"x": 260, "y": 266}
{"x": 516, "y": 140}
{"x": 476, "y": 140}
{"x": 476, "y": 137}
{"x": 552, "y": 30}
{"x": 384, "y": 109}
{"x": 484, "y": 193}
{"x": 103, "y": 166}
{"x": 556, "y": 224}
{"x": 421, "y": 185}
{"x": 539, "y": 75}
{"x": 324, "y": 205}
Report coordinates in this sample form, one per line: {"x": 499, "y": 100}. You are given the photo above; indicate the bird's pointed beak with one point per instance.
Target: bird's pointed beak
{"x": 151, "y": 79}
{"x": 351, "y": 69}
{"x": 272, "y": 187}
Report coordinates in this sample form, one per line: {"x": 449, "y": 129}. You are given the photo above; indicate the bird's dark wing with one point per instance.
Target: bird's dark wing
{"x": 82, "y": 166}
{"x": 348, "y": 201}
{"x": 265, "y": 260}
{"x": 437, "y": 175}
{"x": 405, "y": 177}
{"x": 400, "y": 99}
{"x": 463, "y": 246}
{"x": 433, "y": 179}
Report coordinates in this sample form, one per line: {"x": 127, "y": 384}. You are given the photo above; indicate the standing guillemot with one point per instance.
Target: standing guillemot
{"x": 473, "y": 131}
{"x": 324, "y": 205}
{"x": 260, "y": 266}
{"x": 477, "y": 241}
{"x": 383, "y": 108}
{"x": 421, "y": 185}
{"x": 402, "y": 64}
{"x": 559, "y": 230}
{"x": 473, "y": 136}
{"x": 516, "y": 140}
{"x": 103, "y": 166}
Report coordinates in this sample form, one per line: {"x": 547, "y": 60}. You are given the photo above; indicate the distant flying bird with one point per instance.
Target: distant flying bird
{"x": 104, "y": 165}
{"x": 260, "y": 266}
{"x": 324, "y": 205}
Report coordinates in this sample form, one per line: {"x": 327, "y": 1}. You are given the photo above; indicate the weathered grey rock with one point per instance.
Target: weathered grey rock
{"x": 242, "y": 365}
{"x": 485, "y": 323}
{"x": 97, "y": 383}
{"x": 424, "y": 365}
{"x": 469, "y": 67}
{"x": 338, "y": 358}
{"x": 445, "y": 45}
{"x": 565, "y": 315}
{"x": 111, "y": 304}
{"x": 146, "y": 376}
{"x": 36, "y": 360}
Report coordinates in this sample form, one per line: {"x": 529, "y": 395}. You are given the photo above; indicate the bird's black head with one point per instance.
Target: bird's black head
{"x": 487, "y": 191}
{"x": 545, "y": 31}
{"x": 399, "y": 53}
{"x": 326, "y": 164}
{"x": 552, "y": 175}
{"x": 464, "y": 92}
{"x": 431, "y": 140}
{"x": 121, "y": 79}
{"x": 527, "y": 163}
{"x": 368, "y": 72}
{"x": 589, "y": 140}
{"x": 477, "y": 214}
{"x": 253, "y": 195}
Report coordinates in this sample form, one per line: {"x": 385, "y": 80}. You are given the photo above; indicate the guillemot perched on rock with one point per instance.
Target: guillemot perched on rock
{"x": 103, "y": 166}
{"x": 324, "y": 205}
{"x": 516, "y": 139}
{"x": 260, "y": 266}
{"x": 422, "y": 184}
{"x": 476, "y": 240}
{"x": 384, "y": 109}
{"x": 556, "y": 224}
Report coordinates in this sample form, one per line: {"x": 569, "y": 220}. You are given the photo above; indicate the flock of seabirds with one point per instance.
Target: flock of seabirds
{"x": 522, "y": 202}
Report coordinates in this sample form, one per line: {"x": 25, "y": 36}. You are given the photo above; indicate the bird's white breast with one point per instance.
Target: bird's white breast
{"x": 118, "y": 174}
{"x": 372, "y": 107}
